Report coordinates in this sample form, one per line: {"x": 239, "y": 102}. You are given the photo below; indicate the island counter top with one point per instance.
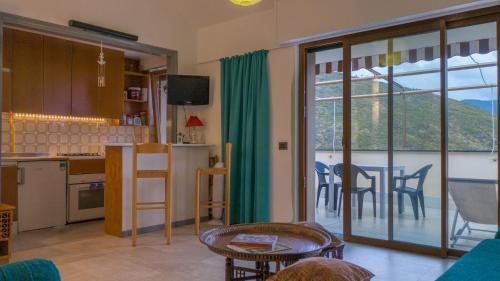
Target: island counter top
{"x": 186, "y": 159}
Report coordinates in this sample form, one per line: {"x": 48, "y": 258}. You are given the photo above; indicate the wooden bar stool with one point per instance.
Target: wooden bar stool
{"x": 210, "y": 204}
{"x": 152, "y": 148}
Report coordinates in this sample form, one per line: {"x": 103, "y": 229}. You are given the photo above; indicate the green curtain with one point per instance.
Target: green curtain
{"x": 245, "y": 124}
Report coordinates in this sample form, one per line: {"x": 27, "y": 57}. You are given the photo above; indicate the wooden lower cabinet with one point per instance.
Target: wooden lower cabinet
{"x": 9, "y": 186}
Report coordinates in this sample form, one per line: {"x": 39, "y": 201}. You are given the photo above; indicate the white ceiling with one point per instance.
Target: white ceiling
{"x": 202, "y": 13}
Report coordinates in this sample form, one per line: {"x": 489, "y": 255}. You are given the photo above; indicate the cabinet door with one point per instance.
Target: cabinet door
{"x": 111, "y": 96}
{"x": 9, "y": 186}
{"x": 56, "y": 76}
{"x": 7, "y": 69}
{"x": 27, "y": 72}
{"x": 84, "y": 92}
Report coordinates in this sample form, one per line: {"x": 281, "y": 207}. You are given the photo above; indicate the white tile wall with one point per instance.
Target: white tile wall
{"x": 66, "y": 136}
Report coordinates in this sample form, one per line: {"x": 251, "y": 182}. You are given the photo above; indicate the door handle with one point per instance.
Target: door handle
{"x": 20, "y": 176}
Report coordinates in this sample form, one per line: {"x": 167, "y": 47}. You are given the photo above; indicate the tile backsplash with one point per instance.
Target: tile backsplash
{"x": 66, "y": 136}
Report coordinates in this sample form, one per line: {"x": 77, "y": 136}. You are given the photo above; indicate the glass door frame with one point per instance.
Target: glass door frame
{"x": 441, "y": 24}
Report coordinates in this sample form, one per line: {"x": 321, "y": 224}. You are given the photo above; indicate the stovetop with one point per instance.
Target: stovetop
{"x": 80, "y": 154}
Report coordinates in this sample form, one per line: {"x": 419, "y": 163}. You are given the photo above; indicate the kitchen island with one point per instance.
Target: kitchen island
{"x": 186, "y": 158}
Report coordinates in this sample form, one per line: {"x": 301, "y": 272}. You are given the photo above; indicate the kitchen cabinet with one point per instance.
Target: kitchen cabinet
{"x": 84, "y": 92}
{"x": 6, "y": 71}
{"x": 27, "y": 72}
{"x": 9, "y": 186}
{"x": 7, "y": 47}
{"x": 87, "y": 98}
{"x": 57, "y": 55}
{"x": 111, "y": 96}
{"x": 41, "y": 199}
{"x": 49, "y": 75}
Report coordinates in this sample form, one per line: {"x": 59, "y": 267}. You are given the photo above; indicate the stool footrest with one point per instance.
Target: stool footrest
{"x": 211, "y": 204}
{"x": 150, "y": 203}
{"x": 152, "y": 174}
{"x": 213, "y": 171}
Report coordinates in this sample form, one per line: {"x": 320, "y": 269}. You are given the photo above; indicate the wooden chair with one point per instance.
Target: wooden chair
{"x": 210, "y": 204}
{"x": 152, "y": 148}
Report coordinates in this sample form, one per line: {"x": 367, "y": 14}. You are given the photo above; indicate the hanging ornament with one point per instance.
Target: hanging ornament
{"x": 101, "y": 70}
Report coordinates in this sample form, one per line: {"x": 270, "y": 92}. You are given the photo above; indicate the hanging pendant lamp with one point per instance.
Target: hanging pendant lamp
{"x": 245, "y": 3}
{"x": 101, "y": 70}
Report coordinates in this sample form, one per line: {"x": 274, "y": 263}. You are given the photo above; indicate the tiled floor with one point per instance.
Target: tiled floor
{"x": 84, "y": 252}
{"x": 424, "y": 231}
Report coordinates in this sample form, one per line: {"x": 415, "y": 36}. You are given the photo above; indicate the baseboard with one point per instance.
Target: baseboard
{"x": 158, "y": 227}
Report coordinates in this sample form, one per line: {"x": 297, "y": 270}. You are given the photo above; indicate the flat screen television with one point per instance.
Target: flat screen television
{"x": 187, "y": 89}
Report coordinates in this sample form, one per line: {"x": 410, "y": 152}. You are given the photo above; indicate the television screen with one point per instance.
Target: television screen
{"x": 187, "y": 89}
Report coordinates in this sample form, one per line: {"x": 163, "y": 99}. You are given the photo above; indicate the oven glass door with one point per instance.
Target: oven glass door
{"x": 85, "y": 201}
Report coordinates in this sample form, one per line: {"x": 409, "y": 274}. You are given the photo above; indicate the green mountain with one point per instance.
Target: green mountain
{"x": 416, "y": 120}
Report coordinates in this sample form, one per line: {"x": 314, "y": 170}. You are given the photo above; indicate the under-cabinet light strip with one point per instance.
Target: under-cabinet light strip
{"x": 58, "y": 118}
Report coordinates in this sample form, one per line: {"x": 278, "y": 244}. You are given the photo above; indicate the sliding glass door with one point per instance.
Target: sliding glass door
{"x": 325, "y": 136}
{"x": 472, "y": 134}
{"x": 395, "y": 139}
{"x": 416, "y": 132}
{"x": 369, "y": 139}
{"x": 405, "y": 125}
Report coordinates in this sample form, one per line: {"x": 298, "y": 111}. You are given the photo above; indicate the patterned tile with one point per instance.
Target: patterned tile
{"x": 62, "y": 137}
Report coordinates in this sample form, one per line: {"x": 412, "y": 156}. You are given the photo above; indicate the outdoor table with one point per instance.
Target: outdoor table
{"x": 381, "y": 169}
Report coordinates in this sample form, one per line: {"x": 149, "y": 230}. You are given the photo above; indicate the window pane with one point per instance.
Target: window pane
{"x": 369, "y": 139}
{"x": 326, "y": 95}
{"x": 417, "y": 139}
{"x": 472, "y": 135}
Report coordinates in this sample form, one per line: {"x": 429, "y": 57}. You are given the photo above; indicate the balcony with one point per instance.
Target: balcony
{"x": 424, "y": 230}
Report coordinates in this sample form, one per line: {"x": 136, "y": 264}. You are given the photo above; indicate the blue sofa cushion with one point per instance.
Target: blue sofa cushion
{"x": 30, "y": 270}
{"x": 480, "y": 264}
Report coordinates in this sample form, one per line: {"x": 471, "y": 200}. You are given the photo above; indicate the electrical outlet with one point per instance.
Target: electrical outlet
{"x": 283, "y": 145}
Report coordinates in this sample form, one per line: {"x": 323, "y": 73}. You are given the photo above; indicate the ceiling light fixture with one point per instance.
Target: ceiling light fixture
{"x": 245, "y": 3}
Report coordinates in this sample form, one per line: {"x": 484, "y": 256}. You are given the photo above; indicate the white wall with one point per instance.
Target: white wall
{"x": 298, "y": 19}
{"x": 154, "y": 21}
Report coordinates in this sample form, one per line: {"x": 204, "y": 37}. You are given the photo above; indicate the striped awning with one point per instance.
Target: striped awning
{"x": 463, "y": 49}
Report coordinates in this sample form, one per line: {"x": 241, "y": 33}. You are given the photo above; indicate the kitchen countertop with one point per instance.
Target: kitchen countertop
{"x": 19, "y": 157}
{"x": 174, "y": 144}
{"x": 34, "y": 158}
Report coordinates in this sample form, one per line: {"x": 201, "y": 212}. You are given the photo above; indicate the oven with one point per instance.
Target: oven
{"x": 85, "y": 190}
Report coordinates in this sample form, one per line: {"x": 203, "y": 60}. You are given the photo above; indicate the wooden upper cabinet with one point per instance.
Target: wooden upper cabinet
{"x": 84, "y": 91}
{"x": 111, "y": 96}
{"x": 27, "y": 72}
{"x": 7, "y": 47}
{"x": 7, "y": 69}
{"x": 57, "y": 54}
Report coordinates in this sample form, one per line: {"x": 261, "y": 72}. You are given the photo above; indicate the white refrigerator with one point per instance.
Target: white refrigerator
{"x": 41, "y": 194}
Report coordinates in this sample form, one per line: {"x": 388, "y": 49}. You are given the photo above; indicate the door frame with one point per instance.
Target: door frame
{"x": 440, "y": 24}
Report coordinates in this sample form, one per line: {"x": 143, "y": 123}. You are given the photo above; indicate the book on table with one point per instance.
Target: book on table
{"x": 255, "y": 241}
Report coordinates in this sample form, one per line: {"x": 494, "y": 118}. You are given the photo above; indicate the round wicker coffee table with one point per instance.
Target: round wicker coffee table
{"x": 302, "y": 241}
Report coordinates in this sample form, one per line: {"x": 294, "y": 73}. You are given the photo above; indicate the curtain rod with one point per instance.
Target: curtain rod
{"x": 271, "y": 49}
